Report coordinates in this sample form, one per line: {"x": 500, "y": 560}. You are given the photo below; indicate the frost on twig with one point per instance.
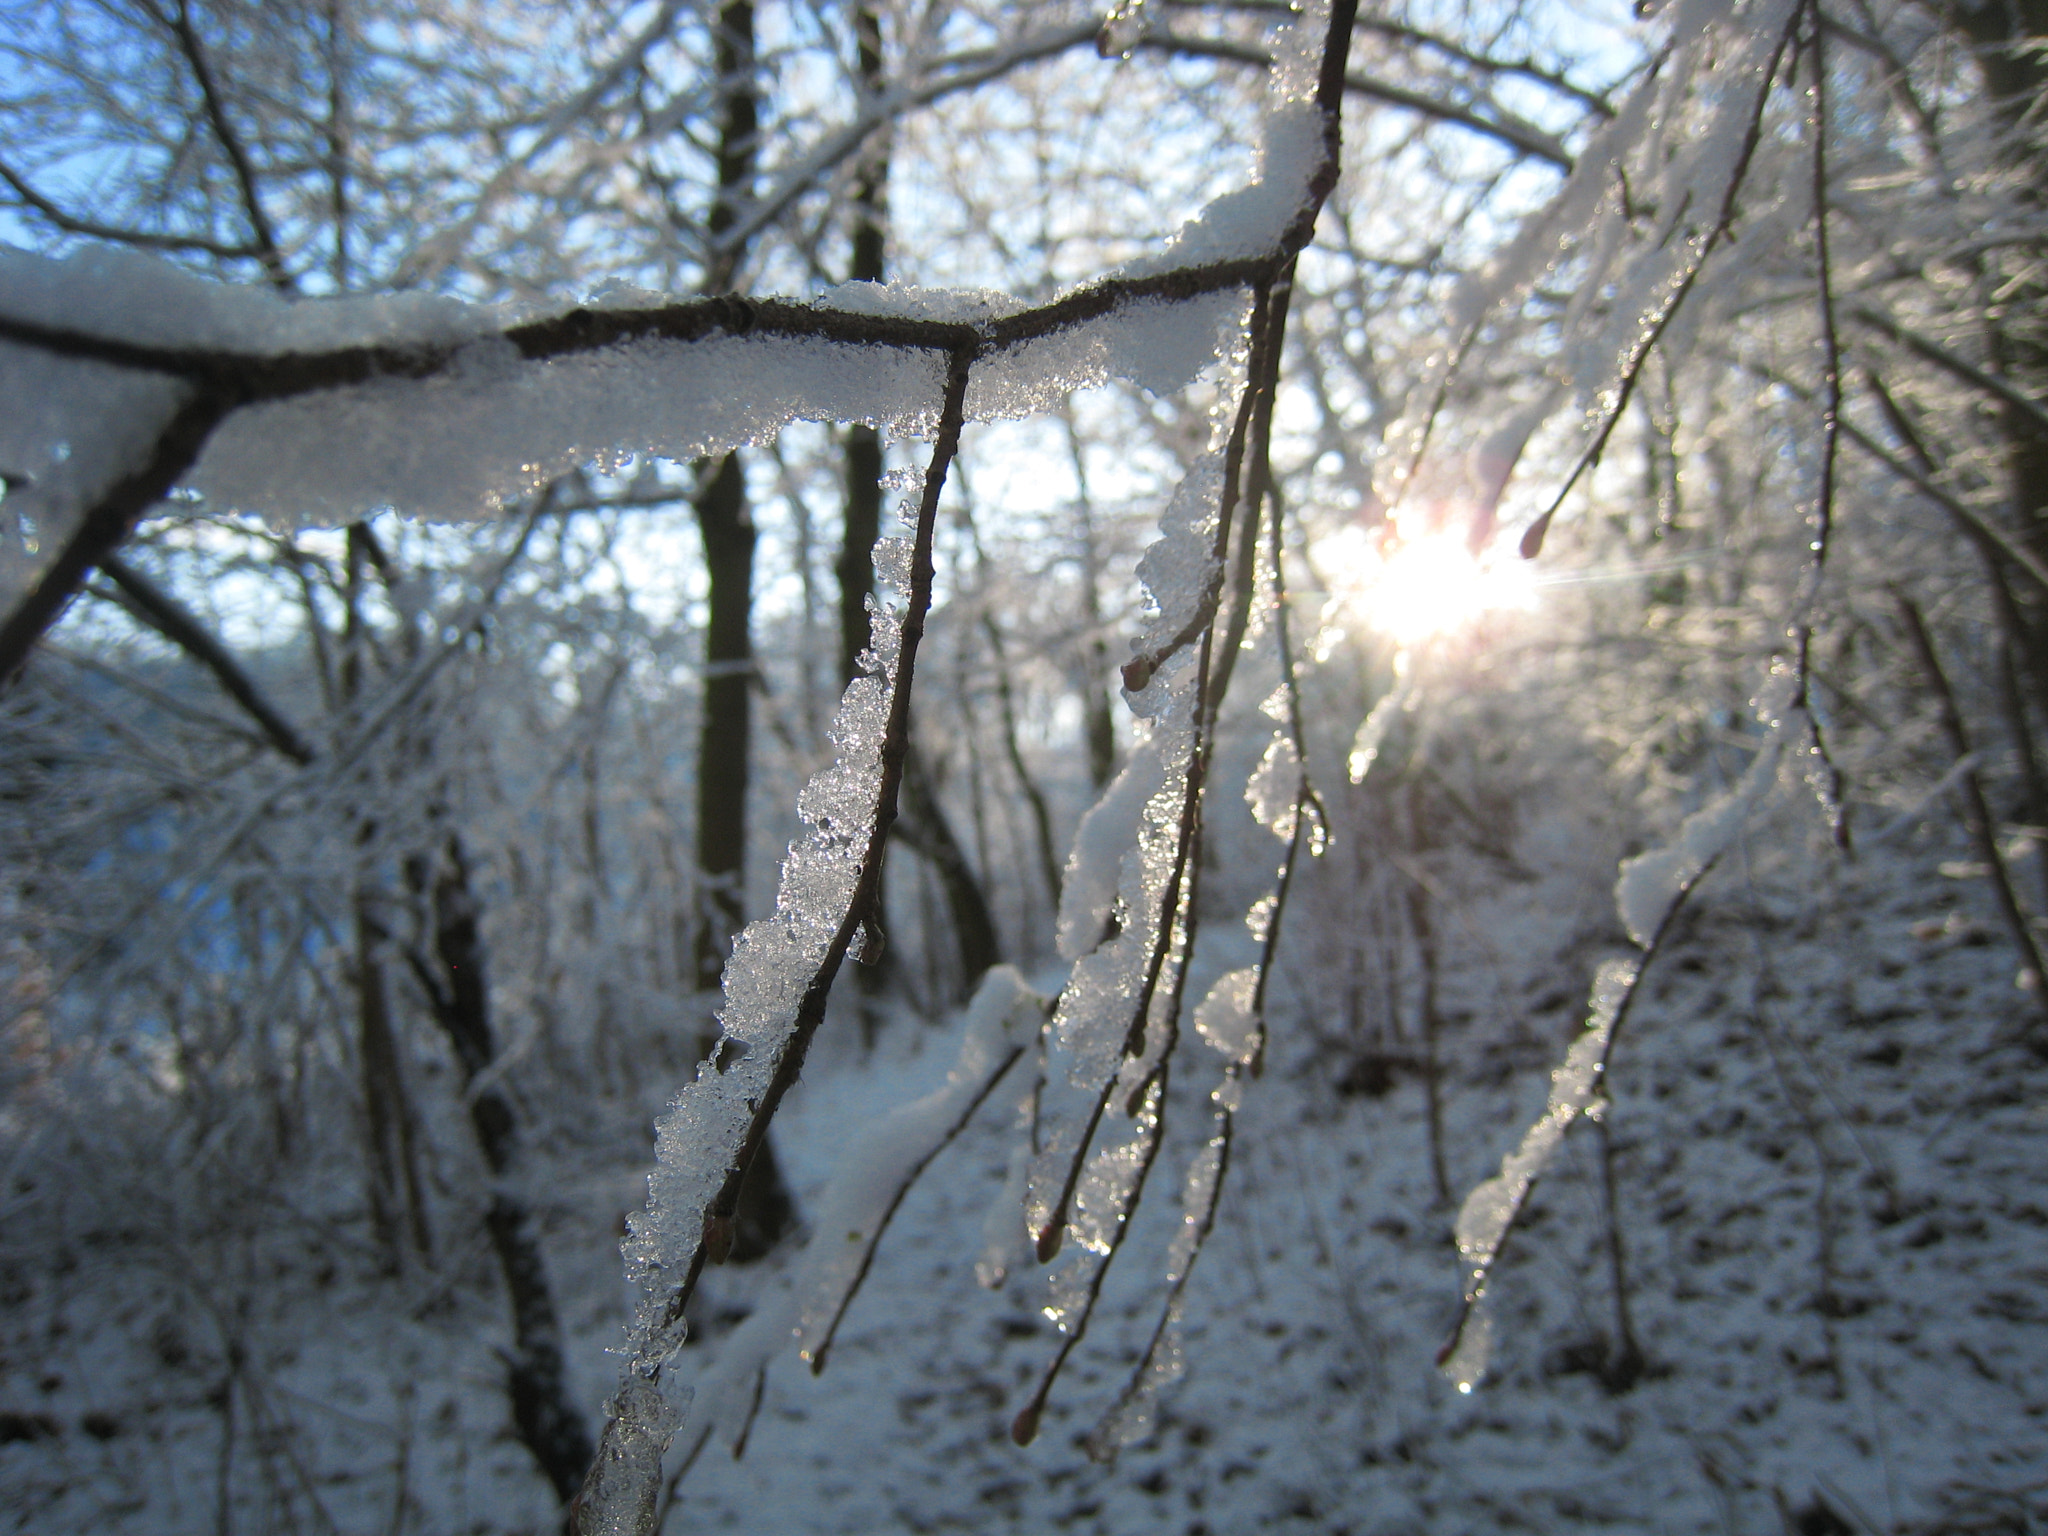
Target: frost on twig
{"x": 321, "y": 412}
{"x": 1491, "y": 1209}
{"x": 776, "y": 983}
{"x": 1132, "y": 979}
{"x": 858, "y": 1204}
{"x": 1001, "y": 1023}
{"x": 1652, "y": 195}
{"x": 1649, "y": 893}
{"x": 1230, "y": 1019}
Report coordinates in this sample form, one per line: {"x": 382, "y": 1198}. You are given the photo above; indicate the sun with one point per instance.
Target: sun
{"x": 1420, "y": 588}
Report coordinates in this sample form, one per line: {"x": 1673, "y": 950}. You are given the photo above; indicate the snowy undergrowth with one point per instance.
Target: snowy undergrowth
{"x": 1791, "y": 1055}
{"x": 1826, "y": 1148}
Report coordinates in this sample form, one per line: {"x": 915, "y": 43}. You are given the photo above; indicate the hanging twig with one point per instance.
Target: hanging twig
{"x": 1830, "y": 431}
{"x": 1640, "y": 349}
{"x": 1486, "y": 1224}
{"x": 1977, "y": 817}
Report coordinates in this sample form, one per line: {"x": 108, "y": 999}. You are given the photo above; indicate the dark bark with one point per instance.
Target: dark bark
{"x": 924, "y": 826}
{"x": 863, "y": 517}
{"x": 387, "y": 1109}
{"x": 723, "y": 751}
{"x": 104, "y": 526}
{"x": 2001, "y": 29}
{"x": 727, "y": 530}
{"x": 763, "y": 1212}
{"x": 454, "y": 980}
{"x": 161, "y": 612}
{"x": 2006, "y": 35}
{"x": 395, "y": 1195}
{"x": 863, "y": 525}
{"x": 1013, "y": 751}
{"x": 548, "y": 1424}
{"x": 1095, "y": 691}
{"x": 1978, "y": 821}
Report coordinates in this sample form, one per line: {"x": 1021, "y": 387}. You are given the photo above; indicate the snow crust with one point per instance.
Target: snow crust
{"x": 1157, "y": 344}
{"x": 492, "y": 426}
{"x": 1274, "y": 789}
{"x": 501, "y": 426}
{"x": 124, "y": 296}
{"x": 1251, "y": 219}
{"x": 1108, "y": 830}
{"x": 1131, "y": 1418}
{"x": 1180, "y": 567}
{"x": 1102, "y": 1204}
{"x": 1094, "y": 1016}
{"x": 1226, "y": 1019}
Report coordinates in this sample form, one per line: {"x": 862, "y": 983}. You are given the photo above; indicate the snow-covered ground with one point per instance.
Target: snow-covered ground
{"x": 1826, "y": 1137}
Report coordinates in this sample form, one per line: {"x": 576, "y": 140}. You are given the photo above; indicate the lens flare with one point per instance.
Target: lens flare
{"x": 1417, "y": 589}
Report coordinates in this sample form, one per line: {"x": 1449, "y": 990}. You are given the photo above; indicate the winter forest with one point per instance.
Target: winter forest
{"x": 924, "y": 765}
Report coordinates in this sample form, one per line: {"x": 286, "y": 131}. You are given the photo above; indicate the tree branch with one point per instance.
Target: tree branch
{"x": 1528, "y": 69}
{"x": 267, "y": 252}
{"x": 1523, "y": 137}
{"x": 104, "y": 526}
{"x": 226, "y": 379}
{"x": 164, "y": 614}
{"x": 138, "y": 238}
{"x": 1932, "y": 351}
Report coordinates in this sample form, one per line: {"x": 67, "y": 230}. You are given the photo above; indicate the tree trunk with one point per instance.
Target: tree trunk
{"x": 394, "y": 1176}
{"x": 923, "y": 825}
{"x": 723, "y": 746}
{"x": 2006, "y": 34}
{"x": 765, "y": 1212}
{"x": 455, "y": 983}
{"x": 863, "y": 443}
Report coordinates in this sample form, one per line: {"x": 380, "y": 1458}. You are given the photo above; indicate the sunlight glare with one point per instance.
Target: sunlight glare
{"x": 1416, "y": 589}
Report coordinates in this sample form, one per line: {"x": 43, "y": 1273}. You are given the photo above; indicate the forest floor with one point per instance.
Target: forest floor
{"x": 1826, "y": 1137}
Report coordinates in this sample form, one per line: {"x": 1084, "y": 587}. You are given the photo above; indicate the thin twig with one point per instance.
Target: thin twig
{"x": 1830, "y": 430}
{"x": 169, "y": 618}
{"x": 1639, "y": 351}
{"x": 140, "y": 239}
{"x": 267, "y": 252}
{"x": 1482, "y": 1271}
{"x": 1977, "y": 818}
